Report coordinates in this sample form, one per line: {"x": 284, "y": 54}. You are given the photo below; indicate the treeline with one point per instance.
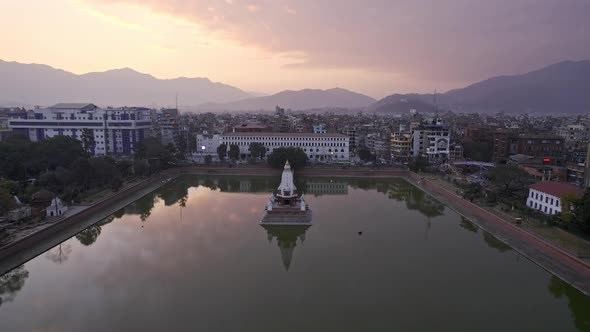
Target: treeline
{"x": 62, "y": 166}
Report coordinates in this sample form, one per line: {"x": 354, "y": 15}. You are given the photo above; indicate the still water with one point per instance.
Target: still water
{"x": 380, "y": 256}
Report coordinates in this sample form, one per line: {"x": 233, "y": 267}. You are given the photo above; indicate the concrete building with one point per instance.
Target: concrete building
{"x": 431, "y": 141}
{"x": 547, "y": 196}
{"x": 115, "y": 130}
{"x": 318, "y": 147}
{"x": 401, "y": 146}
{"x": 168, "y": 121}
{"x": 207, "y": 145}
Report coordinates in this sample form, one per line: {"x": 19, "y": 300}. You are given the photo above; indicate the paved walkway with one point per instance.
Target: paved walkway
{"x": 547, "y": 255}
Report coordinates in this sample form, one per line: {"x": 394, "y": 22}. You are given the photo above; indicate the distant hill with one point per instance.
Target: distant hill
{"x": 556, "y": 89}
{"x": 33, "y": 84}
{"x": 297, "y": 100}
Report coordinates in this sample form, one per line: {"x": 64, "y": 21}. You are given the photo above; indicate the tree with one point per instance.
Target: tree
{"x": 208, "y": 160}
{"x": 89, "y": 235}
{"x": 583, "y": 211}
{"x": 116, "y": 183}
{"x": 418, "y": 164}
{"x": 365, "y": 154}
{"x": 478, "y": 151}
{"x": 296, "y": 157}
{"x": 509, "y": 182}
{"x": 222, "y": 151}
{"x": 88, "y": 140}
{"x": 7, "y": 201}
{"x": 234, "y": 152}
{"x": 257, "y": 150}
{"x": 151, "y": 148}
{"x": 141, "y": 167}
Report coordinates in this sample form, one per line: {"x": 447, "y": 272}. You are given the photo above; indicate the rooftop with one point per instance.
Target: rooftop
{"x": 273, "y": 134}
{"x": 73, "y": 106}
{"x": 557, "y": 189}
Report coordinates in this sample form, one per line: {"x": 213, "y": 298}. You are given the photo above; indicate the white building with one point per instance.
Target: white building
{"x": 318, "y": 147}
{"x": 431, "y": 141}
{"x": 56, "y": 209}
{"x": 115, "y": 130}
{"x": 546, "y": 196}
{"x": 207, "y": 144}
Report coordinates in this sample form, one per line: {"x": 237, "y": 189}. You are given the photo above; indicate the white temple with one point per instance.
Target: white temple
{"x": 57, "y": 208}
{"x": 286, "y": 207}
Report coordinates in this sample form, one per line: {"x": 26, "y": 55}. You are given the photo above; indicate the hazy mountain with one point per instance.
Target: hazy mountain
{"x": 297, "y": 100}
{"x": 560, "y": 88}
{"x": 43, "y": 85}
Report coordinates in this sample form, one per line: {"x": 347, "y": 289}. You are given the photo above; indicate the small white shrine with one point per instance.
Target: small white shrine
{"x": 287, "y": 207}
{"x": 57, "y": 208}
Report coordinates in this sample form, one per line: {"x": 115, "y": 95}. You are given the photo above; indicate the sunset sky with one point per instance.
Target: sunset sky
{"x": 377, "y": 47}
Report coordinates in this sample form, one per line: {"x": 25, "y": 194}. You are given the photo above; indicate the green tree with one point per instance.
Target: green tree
{"x": 234, "y": 152}
{"x": 509, "y": 182}
{"x": 222, "y": 151}
{"x": 116, "y": 183}
{"x": 89, "y": 235}
{"x": 7, "y": 201}
{"x": 365, "y": 154}
{"x": 208, "y": 160}
{"x": 478, "y": 151}
{"x": 257, "y": 150}
{"x": 152, "y": 149}
{"x": 141, "y": 167}
{"x": 418, "y": 164}
{"x": 296, "y": 157}
{"x": 88, "y": 141}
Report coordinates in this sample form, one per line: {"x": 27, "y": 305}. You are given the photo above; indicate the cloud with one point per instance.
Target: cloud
{"x": 431, "y": 40}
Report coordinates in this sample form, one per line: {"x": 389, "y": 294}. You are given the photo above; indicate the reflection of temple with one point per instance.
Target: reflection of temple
{"x": 287, "y": 208}
{"x": 287, "y": 236}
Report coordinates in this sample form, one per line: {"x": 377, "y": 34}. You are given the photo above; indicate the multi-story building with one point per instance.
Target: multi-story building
{"x": 377, "y": 145}
{"x": 352, "y": 139}
{"x": 501, "y": 144}
{"x": 401, "y": 146}
{"x": 168, "y": 121}
{"x": 431, "y": 141}
{"x": 575, "y": 172}
{"x": 207, "y": 144}
{"x": 538, "y": 145}
{"x": 318, "y": 147}
{"x": 115, "y": 130}
{"x": 574, "y": 135}
{"x": 547, "y": 196}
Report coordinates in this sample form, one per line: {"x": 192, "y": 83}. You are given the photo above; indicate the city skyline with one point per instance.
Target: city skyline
{"x": 376, "y": 48}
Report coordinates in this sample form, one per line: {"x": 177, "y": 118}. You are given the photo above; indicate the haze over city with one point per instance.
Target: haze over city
{"x": 294, "y": 165}
{"x": 376, "y": 47}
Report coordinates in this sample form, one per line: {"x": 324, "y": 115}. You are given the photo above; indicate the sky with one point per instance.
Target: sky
{"x": 376, "y": 47}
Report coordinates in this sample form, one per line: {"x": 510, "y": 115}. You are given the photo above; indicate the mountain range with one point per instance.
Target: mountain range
{"x": 33, "y": 84}
{"x": 557, "y": 89}
{"x": 561, "y": 88}
{"x": 297, "y": 100}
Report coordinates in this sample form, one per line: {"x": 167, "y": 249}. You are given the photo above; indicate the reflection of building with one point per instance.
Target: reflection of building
{"x": 287, "y": 208}
{"x": 326, "y": 188}
{"x": 287, "y": 237}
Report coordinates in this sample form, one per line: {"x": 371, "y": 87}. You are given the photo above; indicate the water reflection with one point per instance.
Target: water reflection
{"x": 578, "y": 303}
{"x": 60, "y": 253}
{"x": 11, "y": 283}
{"x": 287, "y": 236}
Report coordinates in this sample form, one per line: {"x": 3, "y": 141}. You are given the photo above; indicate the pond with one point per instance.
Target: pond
{"x": 380, "y": 255}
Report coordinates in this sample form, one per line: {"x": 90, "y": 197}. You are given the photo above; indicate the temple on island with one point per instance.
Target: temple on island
{"x": 286, "y": 208}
